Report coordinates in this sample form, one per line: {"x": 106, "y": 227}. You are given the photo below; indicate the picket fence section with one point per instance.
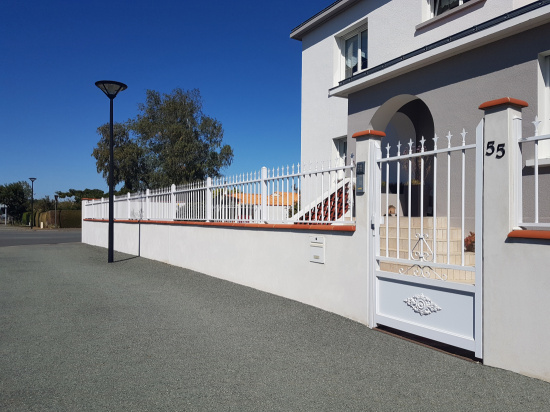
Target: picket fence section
{"x": 529, "y": 180}
{"x": 321, "y": 192}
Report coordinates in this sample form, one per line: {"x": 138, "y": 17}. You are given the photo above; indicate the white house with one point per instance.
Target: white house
{"x": 410, "y": 68}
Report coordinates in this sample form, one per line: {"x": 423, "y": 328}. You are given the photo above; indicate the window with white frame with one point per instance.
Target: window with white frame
{"x": 438, "y": 7}
{"x": 355, "y": 45}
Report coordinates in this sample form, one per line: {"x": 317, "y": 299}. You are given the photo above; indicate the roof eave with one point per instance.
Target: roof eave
{"x": 337, "y": 7}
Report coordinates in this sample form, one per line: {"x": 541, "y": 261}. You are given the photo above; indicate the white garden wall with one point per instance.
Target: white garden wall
{"x": 271, "y": 260}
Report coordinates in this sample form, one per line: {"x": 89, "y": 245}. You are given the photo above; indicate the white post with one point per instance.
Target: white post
{"x": 367, "y": 205}
{"x": 500, "y": 192}
{"x": 147, "y": 205}
{"x": 263, "y": 185}
{"x": 173, "y": 196}
{"x": 129, "y": 207}
{"x": 208, "y": 199}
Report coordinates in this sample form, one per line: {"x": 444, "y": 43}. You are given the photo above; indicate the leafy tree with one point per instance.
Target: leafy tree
{"x": 171, "y": 141}
{"x": 128, "y": 162}
{"x": 17, "y": 197}
{"x": 78, "y": 195}
{"x": 44, "y": 204}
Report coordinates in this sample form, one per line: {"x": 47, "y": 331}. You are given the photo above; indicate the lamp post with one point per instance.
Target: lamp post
{"x": 32, "y": 179}
{"x": 55, "y": 211}
{"x": 111, "y": 89}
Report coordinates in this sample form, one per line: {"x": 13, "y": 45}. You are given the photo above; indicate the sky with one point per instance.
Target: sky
{"x": 237, "y": 53}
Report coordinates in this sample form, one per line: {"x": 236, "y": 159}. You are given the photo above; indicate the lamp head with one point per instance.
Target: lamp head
{"x": 110, "y": 87}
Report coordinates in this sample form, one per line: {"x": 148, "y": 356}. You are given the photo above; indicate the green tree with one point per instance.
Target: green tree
{"x": 78, "y": 195}
{"x": 171, "y": 141}
{"x": 129, "y": 162}
{"x": 44, "y": 204}
{"x": 17, "y": 197}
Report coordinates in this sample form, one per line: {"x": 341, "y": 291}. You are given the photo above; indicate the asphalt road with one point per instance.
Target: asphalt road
{"x": 18, "y": 236}
{"x": 79, "y": 334}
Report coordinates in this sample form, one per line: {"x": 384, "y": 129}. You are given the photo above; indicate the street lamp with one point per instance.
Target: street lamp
{"x": 55, "y": 211}
{"x": 111, "y": 89}
{"x": 32, "y": 179}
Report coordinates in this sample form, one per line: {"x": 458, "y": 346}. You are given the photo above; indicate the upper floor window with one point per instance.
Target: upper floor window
{"x": 441, "y": 6}
{"x": 355, "y": 52}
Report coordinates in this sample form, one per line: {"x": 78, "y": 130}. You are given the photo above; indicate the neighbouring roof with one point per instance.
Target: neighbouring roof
{"x": 276, "y": 199}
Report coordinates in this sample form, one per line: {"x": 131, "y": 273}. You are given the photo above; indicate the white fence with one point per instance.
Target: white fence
{"x": 318, "y": 193}
{"x": 533, "y": 204}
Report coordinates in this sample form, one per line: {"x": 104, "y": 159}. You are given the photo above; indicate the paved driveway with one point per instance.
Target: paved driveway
{"x": 78, "y": 334}
{"x": 15, "y": 236}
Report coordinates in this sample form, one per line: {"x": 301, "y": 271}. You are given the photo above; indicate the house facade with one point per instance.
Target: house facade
{"x": 417, "y": 68}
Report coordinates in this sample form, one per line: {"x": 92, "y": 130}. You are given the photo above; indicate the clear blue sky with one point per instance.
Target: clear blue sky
{"x": 238, "y": 53}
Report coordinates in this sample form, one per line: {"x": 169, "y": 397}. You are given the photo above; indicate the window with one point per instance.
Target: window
{"x": 355, "y": 52}
{"x": 441, "y": 6}
{"x": 341, "y": 150}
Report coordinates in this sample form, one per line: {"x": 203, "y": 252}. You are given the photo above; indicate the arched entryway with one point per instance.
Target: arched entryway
{"x": 407, "y": 122}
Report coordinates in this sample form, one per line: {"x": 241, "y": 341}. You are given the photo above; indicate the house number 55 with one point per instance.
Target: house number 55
{"x": 491, "y": 149}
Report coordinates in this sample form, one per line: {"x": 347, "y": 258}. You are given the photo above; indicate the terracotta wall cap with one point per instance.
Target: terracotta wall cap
{"x": 529, "y": 234}
{"x": 504, "y": 100}
{"x": 369, "y": 132}
{"x": 279, "y": 226}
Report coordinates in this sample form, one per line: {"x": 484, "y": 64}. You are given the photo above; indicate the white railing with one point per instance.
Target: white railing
{"x": 533, "y": 178}
{"x": 320, "y": 193}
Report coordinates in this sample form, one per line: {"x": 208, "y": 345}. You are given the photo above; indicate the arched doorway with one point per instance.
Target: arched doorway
{"x": 408, "y": 124}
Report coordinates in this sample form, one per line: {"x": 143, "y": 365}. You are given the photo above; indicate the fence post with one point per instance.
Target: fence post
{"x": 129, "y": 207}
{"x": 208, "y": 199}
{"x": 499, "y": 216}
{"x": 147, "y": 205}
{"x": 173, "y": 197}
{"x": 263, "y": 185}
{"x": 500, "y": 167}
{"x": 367, "y": 205}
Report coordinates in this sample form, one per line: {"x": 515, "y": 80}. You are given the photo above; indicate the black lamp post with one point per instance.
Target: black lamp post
{"x": 111, "y": 89}
{"x": 55, "y": 211}
{"x": 32, "y": 179}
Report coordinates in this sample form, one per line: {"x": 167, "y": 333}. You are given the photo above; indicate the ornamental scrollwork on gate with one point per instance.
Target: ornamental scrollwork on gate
{"x": 422, "y": 252}
{"x": 422, "y": 305}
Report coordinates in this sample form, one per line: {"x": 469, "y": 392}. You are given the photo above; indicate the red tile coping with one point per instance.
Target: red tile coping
{"x": 368, "y": 133}
{"x": 318, "y": 227}
{"x": 504, "y": 100}
{"x": 530, "y": 234}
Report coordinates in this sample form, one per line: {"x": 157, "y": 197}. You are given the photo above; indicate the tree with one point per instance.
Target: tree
{"x": 129, "y": 166}
{"x": 171, "y": 141}
{"x": 17, "y": 197}
{"x": 78, "y": 195}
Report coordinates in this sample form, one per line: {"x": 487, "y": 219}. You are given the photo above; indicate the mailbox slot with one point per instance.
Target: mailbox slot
{"x": 317, "y": 249}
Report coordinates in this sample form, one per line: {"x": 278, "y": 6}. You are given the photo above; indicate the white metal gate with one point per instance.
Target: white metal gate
{"x": 427, "y": 203}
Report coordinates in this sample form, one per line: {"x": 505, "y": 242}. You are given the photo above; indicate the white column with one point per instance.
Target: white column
{"x": 173, "y": 196}
{"x": 264, "y": 193}
{"x": 367, "y": 207}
